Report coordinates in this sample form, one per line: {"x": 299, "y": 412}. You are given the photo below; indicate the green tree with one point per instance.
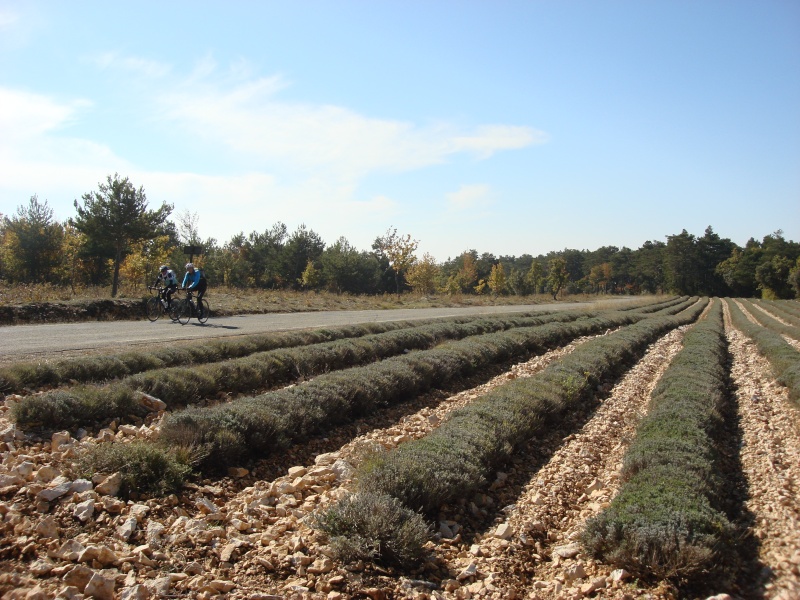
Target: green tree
{"x": 794, "y": 278}
{"x": 345, "y": 269}
{"x": 32, "y": 241}
{"x": 681, "y": 263}
{"x": 535, "y": 276}
{"x": 260, "y": 257}
{"x": 115, "y": 217}
{"x": 773, "y": 278}
{"x": 648, "y": 267}
{"x": 302, "y": 246}
{"x": 557, "y": 276}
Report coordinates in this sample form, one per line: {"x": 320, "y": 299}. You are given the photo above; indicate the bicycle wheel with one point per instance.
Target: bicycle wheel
{"x": 175, "y": 309}
{"x": 154, "y": 308}
{"x": 204, "y": 311}
{"x": 185, "y": 312}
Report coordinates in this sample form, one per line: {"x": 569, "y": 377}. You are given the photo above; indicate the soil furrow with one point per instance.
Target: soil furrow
{"x": 770, "y": 458}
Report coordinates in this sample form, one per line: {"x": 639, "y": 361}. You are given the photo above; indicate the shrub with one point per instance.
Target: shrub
{"x": 145, "y": 467}
{"x": 374, "y": 527}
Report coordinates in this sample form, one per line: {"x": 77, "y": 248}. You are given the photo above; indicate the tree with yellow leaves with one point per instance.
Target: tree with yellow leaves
{"x": 398, "y": 250}
{"x": 423, "y": 275}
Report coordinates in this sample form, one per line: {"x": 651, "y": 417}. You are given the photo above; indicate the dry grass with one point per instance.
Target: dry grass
{"x": 233, "y": 300}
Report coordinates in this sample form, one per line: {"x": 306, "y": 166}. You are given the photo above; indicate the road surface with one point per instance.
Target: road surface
{"x": 26, "y": 342}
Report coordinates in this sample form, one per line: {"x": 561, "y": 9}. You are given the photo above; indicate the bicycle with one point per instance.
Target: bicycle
{"x": 156, "y": 306}
{"x": 185, "y": 308}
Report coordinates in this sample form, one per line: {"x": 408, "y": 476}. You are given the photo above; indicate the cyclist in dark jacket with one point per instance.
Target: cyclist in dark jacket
{"x": 196, "y": 282}
{"x": 168, "y": 282}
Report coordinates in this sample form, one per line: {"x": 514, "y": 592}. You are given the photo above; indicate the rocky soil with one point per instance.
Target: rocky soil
{"x": 249, "y": 535}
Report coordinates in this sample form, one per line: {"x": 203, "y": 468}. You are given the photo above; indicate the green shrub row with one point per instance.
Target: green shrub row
{"x": 779, "y": 308}
{"x": 65, "y": 409}
{"x": 255, "y": 427}
{"x": 771, "y": 322}
{"x": 656, "y": 306}
{"x": 784, "y": 307}
{"x": 17, "y": 377}
{"x": 665, "y": 520}
{"x": 783, "y": 358}
{"x": 458, "y": 458}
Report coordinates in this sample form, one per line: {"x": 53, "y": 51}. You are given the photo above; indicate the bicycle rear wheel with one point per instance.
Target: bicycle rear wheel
{"x": 154, "y": 308}
{"x": 204, "y": 311}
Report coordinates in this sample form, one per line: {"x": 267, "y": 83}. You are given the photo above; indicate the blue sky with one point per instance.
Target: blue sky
{"x": 506, "y": 126}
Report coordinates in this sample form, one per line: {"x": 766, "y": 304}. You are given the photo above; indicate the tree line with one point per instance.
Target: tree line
{"x": 115, "y": 239}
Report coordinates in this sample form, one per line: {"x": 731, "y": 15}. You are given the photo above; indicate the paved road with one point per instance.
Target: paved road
{"x": 30, "y": 341}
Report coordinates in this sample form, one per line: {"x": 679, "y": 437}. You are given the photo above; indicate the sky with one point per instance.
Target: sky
{"x": 504, "y": 126}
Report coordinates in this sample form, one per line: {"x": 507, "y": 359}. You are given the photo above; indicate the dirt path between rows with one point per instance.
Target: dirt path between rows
{"x": 770, "y": 458}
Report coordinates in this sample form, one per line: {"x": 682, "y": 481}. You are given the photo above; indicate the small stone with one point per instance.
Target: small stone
{"x": 238, "y": 472}
{"x": 222, "y": 586}
{"x": 41, "y": 566}
{"x": 58, "y": 487}
{"x": 135, "y": 592}
{"x": 504, "y": 531}
{"x": 47, "y": 527}
{"x": 84, "y": 511}
{"x": 79, "y": 576}
{"x": 100, "y": 587}
{"x": 574, "y": 572}
{"x": 59, "y": 439}
{"x": 568, "y": 551}
{"x": 152, "y": 403}
{"x": 110, "y": 485}
{"x": 619, "y": 575}
{"x": 470, "y": 571}
{"x": 127, "y": 529}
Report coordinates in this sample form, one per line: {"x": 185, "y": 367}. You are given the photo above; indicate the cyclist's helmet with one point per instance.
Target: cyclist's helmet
{"x": 163, "y": 268}
{"x": 189, "y": 266}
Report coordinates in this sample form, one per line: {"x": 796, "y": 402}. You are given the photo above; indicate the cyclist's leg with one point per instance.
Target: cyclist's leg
{"x": 201, "y": 291}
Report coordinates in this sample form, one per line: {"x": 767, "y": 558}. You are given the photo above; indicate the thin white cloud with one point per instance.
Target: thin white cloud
{"x": 24, "y": 115}
{"x": 249, "y": 118}
{"x": 469, "y": 197}
{"x": 131, "y": 64}
{"x": 488, "y": 139}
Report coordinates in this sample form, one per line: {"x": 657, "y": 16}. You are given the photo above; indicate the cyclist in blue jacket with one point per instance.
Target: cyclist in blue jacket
{"x": 195, "y": 281}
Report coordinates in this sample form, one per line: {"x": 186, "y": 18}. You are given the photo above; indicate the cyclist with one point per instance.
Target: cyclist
{"x": 195, "y": 281}
{"x": 168, "y": 282}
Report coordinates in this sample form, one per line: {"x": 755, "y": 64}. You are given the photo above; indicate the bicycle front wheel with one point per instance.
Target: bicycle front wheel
{"x": 204, "y": 311}
{"x": 175, "y": 309}
{"x": 154, "y": 308}
{"x": 185, "y": 312}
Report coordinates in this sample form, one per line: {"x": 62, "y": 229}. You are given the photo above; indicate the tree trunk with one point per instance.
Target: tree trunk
{"x": 115, "y": 281}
